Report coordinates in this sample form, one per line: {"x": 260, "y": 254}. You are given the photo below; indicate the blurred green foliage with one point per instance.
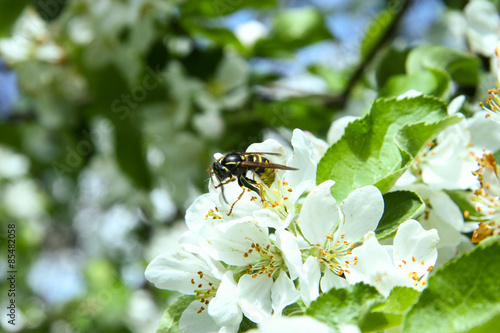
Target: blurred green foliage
{"x": 122, "y": 105}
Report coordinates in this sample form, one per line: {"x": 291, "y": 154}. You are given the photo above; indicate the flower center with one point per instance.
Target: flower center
{"x": 486, "y": 199}
{"x": 492, "y": 104}
{"x": 419, "y": 281}
{"x": 336, "y": 254}
{"x": 204, "y": 291}
{"x": 268, "y": 264}
{"x": 276, "y": 198}
{"x": 213, "y": 214}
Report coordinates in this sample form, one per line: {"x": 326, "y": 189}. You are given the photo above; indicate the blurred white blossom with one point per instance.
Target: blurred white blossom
{"x": 30, "y": 40}
{"x": 250, "y": 32}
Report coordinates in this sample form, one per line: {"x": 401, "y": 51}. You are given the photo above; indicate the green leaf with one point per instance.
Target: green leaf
{"x": 9, "y": 14}
{"x": 220, "y": 8}
{"x": 462, "y": 296}
{"x": 303, "y": 25}
{"x": 202, "y": 63}
{"x": 496, "y": 155}
{"x": 456, "y": 4}
{"x": 292, "y": 29}
{"x": 246, "y": 325}
{"x": 130, "y": 153}
{"x": 113, "y": 97}
{"x": 304, "y": 113}
{"x": 345, "y": 306}
{"x": 390, "y": 313}
{"x": 169, "y": 322}
{"x": 336, "y": 81}
{"x": 12, "y": 135}
{"x": 430, "y": 82}
{"x": 399, "y": 207}
{"x": 376, "y": 31}
{"x": 400, "y": 300}
{"x": 367, "y": 154}
{"x": 392, "y": 63}
{"x": 49, "y": 10}
{"x": 221, "y": 36}
{"x": 462, "y": 67}
{"x": 412, "y": 137}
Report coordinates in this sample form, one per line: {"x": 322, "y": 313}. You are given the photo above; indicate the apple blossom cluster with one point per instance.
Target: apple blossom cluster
{"x": 285, "y": 245}
{"x": 459, "y": 159}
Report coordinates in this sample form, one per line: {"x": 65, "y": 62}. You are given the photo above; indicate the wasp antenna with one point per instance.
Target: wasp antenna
{"x": 208, "y": 169}
{"x": 220, "y": 183}
{"x": 223, "y": 195}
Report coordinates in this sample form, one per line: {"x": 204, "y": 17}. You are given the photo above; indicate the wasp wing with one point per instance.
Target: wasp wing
{"x": 248, "y": 164}
{"x": 260, "y": 153}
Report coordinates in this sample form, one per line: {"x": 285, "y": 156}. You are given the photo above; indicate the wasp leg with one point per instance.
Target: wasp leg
{"x": 255, "y": 186}
{"x": 262, "y": 200}
{"x": 223, "y": 195}
{"x": 226, "y": 182}
{"x": 234, "y": 203}
{"x": 249, "y": 183}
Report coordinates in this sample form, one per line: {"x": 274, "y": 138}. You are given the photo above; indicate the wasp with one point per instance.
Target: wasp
{"x": 235, "y": 166}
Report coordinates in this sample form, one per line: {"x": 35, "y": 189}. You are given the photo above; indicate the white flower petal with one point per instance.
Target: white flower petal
{"x": 385, "y": 280}
{"x": 485, "y": 133}
{"x": 283, "y": 293}
{"x": 189, "y": 241}
{"x": 406, "y": 180}
{"x": 269, "y": 219}
{"x": 192, "y": 321}
{"x": 372, "y": 257}
{"x": 289, "y": 247}
{"x": 470, "y": 227}
{"x": 446, "y": 217}
{"x": 455, "y": 105}
{"x": 415, "y": 246}
{"x": 376, "y": 267}
{"x": 349, "y": 328}
{"x": 482, "y": 20}
{"x": 255, "y": 296}
{"x": 319, "y": 213}
{"x": 304, "y": 159}
{"x": 331, "y": 280}
{"x": 196, "y": 213}
{"x": 362, "y": 211}
{"x": 174, "y": 271}
{"x": 232, "y": 240}
{"x": 409, "y": 94}
{"x": 455, "y": 174}
{"x": 224, "y": 307}
{"x": 309, "y": 280}
{"x": 320, "y": 146}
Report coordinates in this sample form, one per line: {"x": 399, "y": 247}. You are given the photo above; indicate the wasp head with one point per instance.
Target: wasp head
{"x": 220, "y": 171}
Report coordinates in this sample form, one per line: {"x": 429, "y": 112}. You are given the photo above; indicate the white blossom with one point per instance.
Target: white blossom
{"x": 406, "y": 263}
{"x": 207, "y": 279}
{"x": 250, "y": 32}
{"x": 330, "y": 232}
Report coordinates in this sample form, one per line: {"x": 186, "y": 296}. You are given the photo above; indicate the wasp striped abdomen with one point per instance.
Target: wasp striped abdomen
{"x": 264, "y": 172}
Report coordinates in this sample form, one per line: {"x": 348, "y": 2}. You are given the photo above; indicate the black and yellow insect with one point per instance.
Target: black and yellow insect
{"x": 235, "y": 166}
